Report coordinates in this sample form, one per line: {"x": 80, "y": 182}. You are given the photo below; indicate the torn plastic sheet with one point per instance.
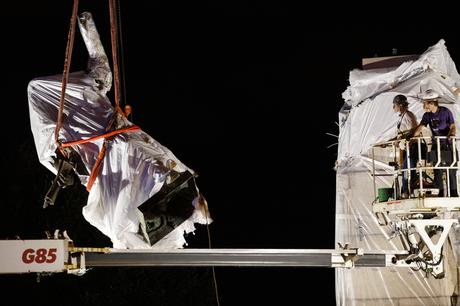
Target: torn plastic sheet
{"x": 368, "y": 118}
{"x": 135, "y": 166}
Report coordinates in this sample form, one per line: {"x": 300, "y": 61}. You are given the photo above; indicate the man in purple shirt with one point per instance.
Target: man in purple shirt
{"x": 441, "y": 122}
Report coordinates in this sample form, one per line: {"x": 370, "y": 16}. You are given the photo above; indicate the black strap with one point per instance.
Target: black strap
{"x": 398, "y": 126}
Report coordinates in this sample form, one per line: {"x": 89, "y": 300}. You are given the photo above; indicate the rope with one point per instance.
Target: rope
{"x": 122, "y": 52}
{"x": 210, "y": 247}
{"x": 65, "y": 74}
{"x": 114, "y": 40}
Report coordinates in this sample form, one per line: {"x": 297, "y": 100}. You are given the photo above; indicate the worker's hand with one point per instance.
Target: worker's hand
{"x": 402, "y": 144}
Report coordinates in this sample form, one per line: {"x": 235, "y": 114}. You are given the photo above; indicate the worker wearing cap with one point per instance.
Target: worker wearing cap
{"x": 406, "y": 124}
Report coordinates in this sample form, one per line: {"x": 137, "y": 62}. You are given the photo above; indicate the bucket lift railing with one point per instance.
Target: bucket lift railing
{"x": 421, "y": 170}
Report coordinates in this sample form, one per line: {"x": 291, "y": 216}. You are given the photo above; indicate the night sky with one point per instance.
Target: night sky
{"x": 243, "y": 94}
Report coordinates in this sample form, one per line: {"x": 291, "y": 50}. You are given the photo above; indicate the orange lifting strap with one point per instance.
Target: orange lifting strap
{"x": 97, "y": 164}
{"x": 65, "y": 77}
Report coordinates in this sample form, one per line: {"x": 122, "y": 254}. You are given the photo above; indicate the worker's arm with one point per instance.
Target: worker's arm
{"x": 418, "y": 130}
{"x": 423, "y": 122}
{"x": 451, "y": 122}
{"x": 452, "y": 130}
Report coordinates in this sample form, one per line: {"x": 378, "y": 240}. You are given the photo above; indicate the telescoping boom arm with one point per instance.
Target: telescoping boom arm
{"x": 59, "y": 255}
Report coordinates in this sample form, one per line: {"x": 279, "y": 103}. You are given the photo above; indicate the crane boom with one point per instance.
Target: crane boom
{"x": 60, "y": 255}
{"x": 238, "y": 257}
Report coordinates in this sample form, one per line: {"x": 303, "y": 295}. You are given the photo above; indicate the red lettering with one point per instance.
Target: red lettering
{"x": 41, "y": 256}
{"x": 51, "y": 255}
{"x": 28, "y": 256}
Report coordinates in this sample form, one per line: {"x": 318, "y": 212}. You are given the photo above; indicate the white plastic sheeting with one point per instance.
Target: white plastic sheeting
{"x": 366, "y": 118}
{"x": 134, "y": 167}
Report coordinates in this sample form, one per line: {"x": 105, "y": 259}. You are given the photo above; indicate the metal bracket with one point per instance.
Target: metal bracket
{"x": 347, "y": 258}
{"x": 434, "y": 248}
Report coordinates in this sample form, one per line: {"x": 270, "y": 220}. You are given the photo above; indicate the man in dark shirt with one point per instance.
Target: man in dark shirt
{"x": 441, "y": 122}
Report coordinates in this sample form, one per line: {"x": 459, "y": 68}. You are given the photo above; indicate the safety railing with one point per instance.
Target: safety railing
{"x": 436, "y": 159}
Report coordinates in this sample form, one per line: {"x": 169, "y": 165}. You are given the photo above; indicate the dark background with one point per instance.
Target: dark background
{"x": 243, "y": 93}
